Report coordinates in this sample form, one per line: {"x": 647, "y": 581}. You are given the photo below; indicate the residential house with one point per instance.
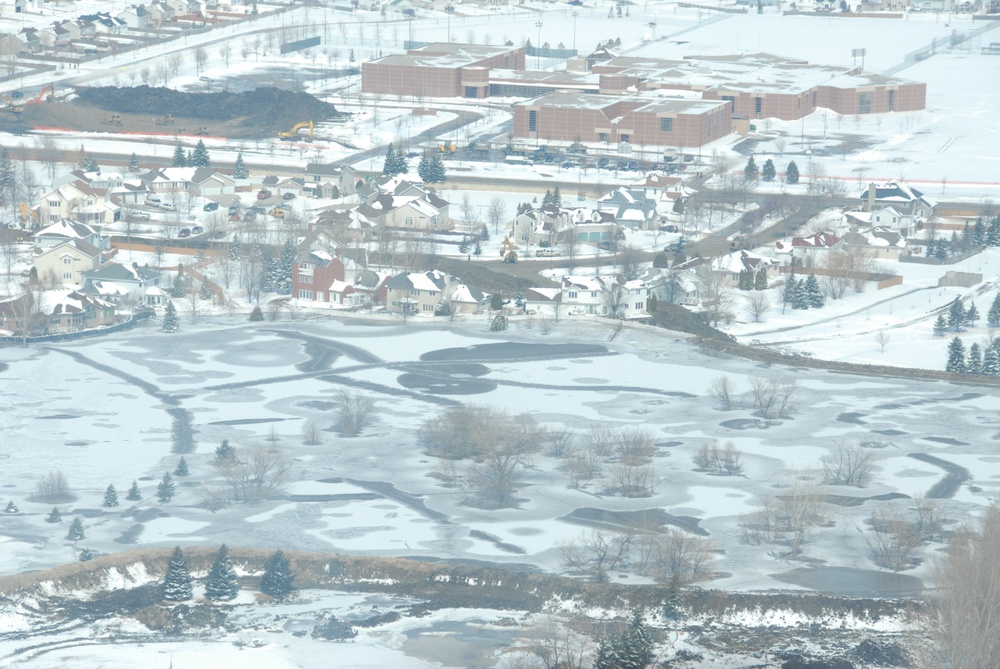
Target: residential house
{"x": 11, "y": 45}
{"x": 543, "y": 301}
{"x": 731, "y": 264}
{"x": 134, "y": 278}
{"x": 74, "y": 311}
{"x": 903, "y": 198}
{"x": 593, "y": 226}
{"x": 878, "y": 242}
{"x": 807, "y": 251}
{"x": 169, "y": 179}
{"x": 135, "y": 17}
{"x": 77, "y": 201}
{"x": 463, "y": 299}
{"x": 323, "y": 271}
{"x": 549, "y": 225}
{"x": 343, "y": 176}
{"x": 674, "y": 286}
{"x": 408, "y": 213}
{"x": 610, "y": 295}
{"x": 210, "y": 183}
{"x": 631, "y": 208}
{"x": 66, "y": 262}
{"x": 417, "y": 292}
{"x": 66, "y": 230}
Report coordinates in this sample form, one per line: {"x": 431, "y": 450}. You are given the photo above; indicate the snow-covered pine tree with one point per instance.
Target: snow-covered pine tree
{"x": 389, "y": 164}
{"x": 224, "y": 451}
{"x": 171, "y": 323}
{"x": 760, "y": 279}
{"x": 547, "y": 198}
{"x": 133, "y": 164}
{"x": 133, "y": 492}
{"x": 801, "y": 300}
{"x": 991, "y": 363}
{"x": 941, "y": 250}
{"x": 993, "y": 232}
{"x": 200, "y": 156}
{"x": 971, "y": 315}
{"x": 240, "y": 168}
{"x": 979, "y": 234}
{"x": 789, "y": 293}
{"x": 221, "y": 584}
{"x": 177, "y": 582}
{"x": 270, "y": 271}
{"x": 180, "y": 158}
{"x": 7, "y": 175}
{"x": 956, "y": 356}
{"x": 637, "y": 644}
{"x": 974, "y": 363}
{"x": 278, "y": 577}
{"x": 284, "y": 285}
{"x": 814, "y": 292}
{"x": 177, "y": 288}
{"x": 234, "y": 247}
{"x": 940, "y": 326}
{"x": 438, "y": 173}
{"x": 110, "y": 496}
{"x": 256, "y": 315}
{"x": 556, "y": 197}
{"x": 993, "y": 315}
{"x": 792, "y": 173}
{"x": 182, "y": 468}
{"x": 424, "y": 170}
{"x": 768, "y": 172}
{"x": 745, "y": 280}
{"x": 54, "y": 516}
{"x": 204, "y": 292}
{"x": 11, "y": 507}
{"x": 956, "y": 315}
{"x": 75, "y": 530}
{"x": 750, "y": 170}
{"x": 607, "y": 656}
{"x": 165, "y": 489}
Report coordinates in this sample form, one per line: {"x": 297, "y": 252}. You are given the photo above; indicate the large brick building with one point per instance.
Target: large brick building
{"x": 642, "y": 119}
{"x": 440, "y": 70}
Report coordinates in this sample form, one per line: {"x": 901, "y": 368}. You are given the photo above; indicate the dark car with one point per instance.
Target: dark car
{"x": 185, "y": 232}
{"x": 632, "y": 165}
{"x": 550, "y": 158}
{"x": 568, "y": 164}
{"x": 197, "y": 230}
{"x": 211, "y": 206}
{"x": 234, "y": 209}
{"x": 602, "y": 162}
{"x": 288, "y": 196}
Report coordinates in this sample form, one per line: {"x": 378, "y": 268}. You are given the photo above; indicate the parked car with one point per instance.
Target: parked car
{"x": 197, "y": 230}
{"x": 211, "y": 206}
{"x": 568, "y": 164}
{"x": 257, "y": 209}
{"x": 546, "y": 253}
{"x": 152, "y": 201}
{"x": 263, "y": 194}
{"x": 138, "y": 215}
{"x": 234, "y": 209}
{"x": 633, "y": 165}
{"x": 288, "y": 196}
{"x": 184, "y": 233}
{"x": 668, "y": 228}
{"x": 169, "y": 206}
{"x": 602, "y": 162}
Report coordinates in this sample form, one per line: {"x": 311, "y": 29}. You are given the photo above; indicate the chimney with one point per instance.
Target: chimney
{"x": 871, "y": 197}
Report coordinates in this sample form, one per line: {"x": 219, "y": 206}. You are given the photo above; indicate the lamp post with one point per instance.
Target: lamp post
{"x": 538, "y": 45}
{"x": 449, "y": 9}
{"x": 575, "y": 14}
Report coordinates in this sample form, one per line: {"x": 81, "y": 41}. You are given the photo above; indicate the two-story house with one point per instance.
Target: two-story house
{"x": 322, "y": 176}
{"x": 66, "y": 262}
{"x": 417, "y": 292}
{"x": 77, "y": 201}
{"x": 114, "y": 280}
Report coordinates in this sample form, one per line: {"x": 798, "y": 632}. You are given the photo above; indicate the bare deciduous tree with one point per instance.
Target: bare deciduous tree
{"x": 53, "y": 489}
{"x": 629, "y": 261}
{"x": 893, "y": 540}
{"x": 556, "y": 645}
{"x": 597, "y": 552}
{"x": 720, "y": 460}
{"x": 849, "y": 465}
{"x": 721, "y": 389}
{"x": 882, "y": 339}
{"x": 354, "y": 412}
{"x": 254, "y": 475}
{"x": 678, "y": 557}
{"x": 495, "y": 213}
{"x": 758, "y": 304}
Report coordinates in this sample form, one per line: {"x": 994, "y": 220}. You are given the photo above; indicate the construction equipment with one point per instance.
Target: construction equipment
{"x": 278, "y": 212}
{"x": 26, "y": 213}
{"x": 41, "y": 97}
{"x": 112, "y": 119}
{"x": 509, "y": 251}
{"x": 166, "y": 119}
{"x": 202, "y": 130}
{"x": 294, "y": 132}
{"x": 447, "y": 147}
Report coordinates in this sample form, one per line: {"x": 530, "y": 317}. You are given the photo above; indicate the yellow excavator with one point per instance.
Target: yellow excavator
{"x": 26, "y": 213}
{"x": 293, "y": 134}
{"x": 509, "y": 251}
{"x": 11, "y": 105}
{"x": 112, "y": 119}
{"x": 166, "y": 119}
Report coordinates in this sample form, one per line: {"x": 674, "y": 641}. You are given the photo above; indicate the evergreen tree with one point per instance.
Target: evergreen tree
{"x": 133, "y": 164}
{"x": 637, "y": 644}
{"x": 974, "y": 365}
{"x": 651, "y": 304}
{"x": 940, "y": 326}
{"x": 256, "y": 315}
{"x": 792, "y": 173}
{"x": 424, "y": 170}
{"x": 165, "y": 489}
{"x": 745, "y": 280}
{"x": 607, "y": 656}
{"x": 791, "y": 290}
{"x": 556, "y": 197}
{"x": 284, "y": 284}
{"x": 750, "y": 170}
{"x": 204, "y": 291}
{"x": 182, "y": 468}
{"x": 547, "y": 198}
{"x": 180, "y": 159}
{"x": 86, "y": 555}
{"x": 54, "y": 516}
{"x": 814, "y": 292}
{"x": 993, "y": 232}
{"x": 7, "y": 175}
{"x": 954, "y": 248}
{"x": 991, "y": 363}
{"x": 75, "y": 530}
{"x": 979, "y": 234}
{"x": 221, "y": 582}
{"x": 956, "y": 315}
{"x": 200, "y": 157}
{"x": 760, "y": 280}
{"x": 110, "y": 497}
{"x": 270, "y": 271}
{"x": 801, "y": 300}
{"x": 224, "y": 451}
{"x": 177, "y": 582}
{"x": 993, "y": 315}
{"x": 234, "y": 247}
{"x": 240, "y": 169}
{"x": 278, "y": 577}
{"x": 389, "y": 164}
{"x": 956, "y": 356}
{"x": 940, "y": 250}
{"x": 438, "y": 174}
{"x": 190, "y": 158}
{"x": 177, "y": 288}
{"x": 768, "y": 172}
{"x": 11, "y": 507}
{"x": 171, "y": 323}
{"x": 971, "y": 315}
{"x": 133, "y": 493}
{"x": 496, "y": 301}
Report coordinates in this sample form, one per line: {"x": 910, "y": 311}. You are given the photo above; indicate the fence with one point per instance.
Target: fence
{"x": 882, "y": 279}
{"x": 952, "y": 40}
{"x": 80, "y": 334}
{"x": 542, "y": 52}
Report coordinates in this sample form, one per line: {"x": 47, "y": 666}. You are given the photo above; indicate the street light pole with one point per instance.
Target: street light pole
{"x": 538, "y": 45}
{"x": 575, "y": 14}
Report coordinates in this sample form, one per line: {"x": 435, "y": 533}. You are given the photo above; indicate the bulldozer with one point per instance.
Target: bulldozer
{"x": 509, "y": 251}
{"x": 447, "y": 147}
{"x": 112, "y": 119}
{"x": 293, "y": 134}
{"x": 166, "y": 119}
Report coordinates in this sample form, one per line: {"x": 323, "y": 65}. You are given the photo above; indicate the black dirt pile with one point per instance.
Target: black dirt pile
{"x": 262, "y": 108}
